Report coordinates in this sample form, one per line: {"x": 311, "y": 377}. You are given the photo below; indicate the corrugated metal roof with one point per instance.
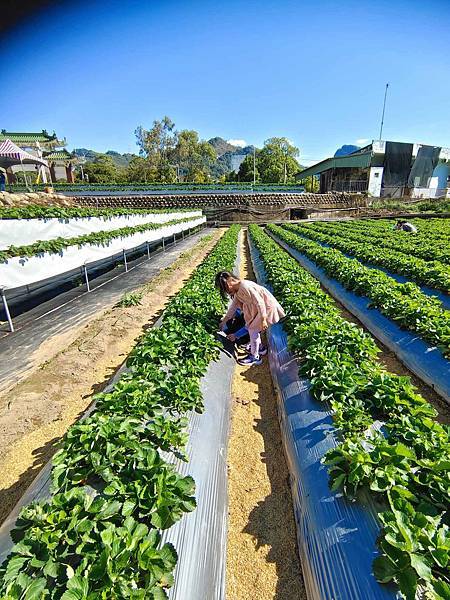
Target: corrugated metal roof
{"x": 360, "y": 159}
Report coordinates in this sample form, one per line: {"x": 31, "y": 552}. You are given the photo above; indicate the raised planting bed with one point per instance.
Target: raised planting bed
{"x": 113, "y": 491}
{"x": 374, "y": 436}
{"x": 424, "y": 360}
{"x": 432, "y": 273}
{"x": 24, "y": 265}
{"x": 24, "y": 232}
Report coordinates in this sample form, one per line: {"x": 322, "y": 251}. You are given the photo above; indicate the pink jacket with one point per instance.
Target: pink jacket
{"x": 257, "y": 303}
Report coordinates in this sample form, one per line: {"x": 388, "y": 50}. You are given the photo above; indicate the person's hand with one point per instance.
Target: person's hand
{"x": 231, "y": 337}
{"x": 264, "y": 324}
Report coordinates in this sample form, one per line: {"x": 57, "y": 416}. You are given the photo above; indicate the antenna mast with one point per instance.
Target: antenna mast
{"x": 384, "y": 107}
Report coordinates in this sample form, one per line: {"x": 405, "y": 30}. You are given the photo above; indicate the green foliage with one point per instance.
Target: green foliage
{"x": 227, "y": 185}
{"x": 99, "y": 237}
{"x": 371, "y": 249}
{"x": 130, "y": 299}
{"x": 311, "y": 184}
{"x": 403, "y": 302}
{"x": 247, "y": 166}
{"x": 103, "y": 170}
{"x": 194, "y": 156}
{"x": 430, "y": 243}
{"x": 97, "y": 536}
{"x": 36, "y": 211}
{"x": 408, "y": 466}
{"x": 277, "y": 161}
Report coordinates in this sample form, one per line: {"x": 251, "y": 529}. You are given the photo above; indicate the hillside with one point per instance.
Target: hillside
{"x": 221, "y": 146}
{"x": 120, "y": 160}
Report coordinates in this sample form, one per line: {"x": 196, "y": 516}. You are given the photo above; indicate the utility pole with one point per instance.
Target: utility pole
{"x": 254, "y": 165}
{"x": 384, "y": 107}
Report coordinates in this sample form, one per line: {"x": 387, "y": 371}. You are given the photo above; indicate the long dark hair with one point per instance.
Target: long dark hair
{"x": 221, "y": 283}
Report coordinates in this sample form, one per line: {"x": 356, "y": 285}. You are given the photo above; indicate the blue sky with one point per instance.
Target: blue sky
{"x": 313, "y": 71}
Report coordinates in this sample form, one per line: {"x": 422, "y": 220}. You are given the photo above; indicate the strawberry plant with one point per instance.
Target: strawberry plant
{"x": 36, "y": 211}
{"x": 432, "y": 273}
{"x": 406, "y": 465}
{"x": 100, "y": 238}
{"x": 98, "y": 534}
{"x": 405, "y": 303}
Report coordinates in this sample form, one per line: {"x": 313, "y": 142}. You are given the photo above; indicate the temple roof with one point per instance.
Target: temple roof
{"x": 31, "y": 138}
{"x": 59, "y": 155}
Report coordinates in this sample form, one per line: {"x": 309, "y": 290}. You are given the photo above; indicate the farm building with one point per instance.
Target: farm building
{"x": 387, "y": 169}
{"x": 43, "y": 145}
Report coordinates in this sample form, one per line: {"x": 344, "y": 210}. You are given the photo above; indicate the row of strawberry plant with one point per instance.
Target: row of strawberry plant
{"x": 35, "y": 211}
{"x": 437, "y": 227}
{"x": 431, "y": 273}
{"x": 161, "y": 187}
{"x": 405, "y": 303}
{"x": 407, "y": 466}
{"x": 425, "y": 244}
{"x": 98, "y": 534}
{"x": 99, "y": 238}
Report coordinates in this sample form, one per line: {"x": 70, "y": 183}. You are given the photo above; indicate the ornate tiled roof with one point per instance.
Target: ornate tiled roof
{"x": 30, "y": 138}
{"x": 60, "y": 155}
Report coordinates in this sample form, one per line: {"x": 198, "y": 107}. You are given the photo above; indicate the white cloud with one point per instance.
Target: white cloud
{"x": 239, "y": 143}
{"x": 362, "y": 141}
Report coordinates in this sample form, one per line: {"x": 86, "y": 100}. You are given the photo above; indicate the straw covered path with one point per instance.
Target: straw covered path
{"x": 262, "y": 557}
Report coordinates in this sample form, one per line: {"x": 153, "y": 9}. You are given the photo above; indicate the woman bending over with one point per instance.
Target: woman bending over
{"x": 261, "y": 309}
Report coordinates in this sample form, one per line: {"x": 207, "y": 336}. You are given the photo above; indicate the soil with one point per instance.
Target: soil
{"x": 37, "y": 411}
{"x": 262, "y": 555}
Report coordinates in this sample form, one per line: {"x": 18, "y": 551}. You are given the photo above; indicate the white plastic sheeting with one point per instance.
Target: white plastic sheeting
{"x": 22, "y": 232}
{"x": 22, "y": 271}
{"x": 199, "y": 537}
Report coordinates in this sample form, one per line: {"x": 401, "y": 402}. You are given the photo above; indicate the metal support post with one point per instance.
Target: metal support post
{"x": 182, "y": 234}
{"x": 86, "y": 278}
{"x": 125, "y": 260}
{"x": 8, "y": 316}
{"x": 164, "y": 244}
{"x": 174, "y": 239}
{"x": 148, "y": 249}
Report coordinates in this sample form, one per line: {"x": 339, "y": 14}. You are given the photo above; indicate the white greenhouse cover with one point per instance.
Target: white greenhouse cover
{"x": 21, "y": 232}
{"x": 21, "y": 271}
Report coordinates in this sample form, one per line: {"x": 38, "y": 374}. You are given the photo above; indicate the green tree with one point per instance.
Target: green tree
{"x": 103, "y": 170}
{"x": 155, "y": 145}
{"x": 247, "y": 166}
{"x": 139, "y": 170}
{"x": 193, "y": 155}
{"x": 311, "y": 184}
{"x": 277, "y": 161}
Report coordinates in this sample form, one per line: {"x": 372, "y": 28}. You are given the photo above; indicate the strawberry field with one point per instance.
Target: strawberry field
{"x": 406, "y": 464}
{"x": 115, "y": 489}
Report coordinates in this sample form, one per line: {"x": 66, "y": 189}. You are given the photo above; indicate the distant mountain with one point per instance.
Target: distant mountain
{"x": 230, "y": 160}
{"x": 120, "y": 160}
{"x": 346, "y": 149}
{"x": 221, "y": 146}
